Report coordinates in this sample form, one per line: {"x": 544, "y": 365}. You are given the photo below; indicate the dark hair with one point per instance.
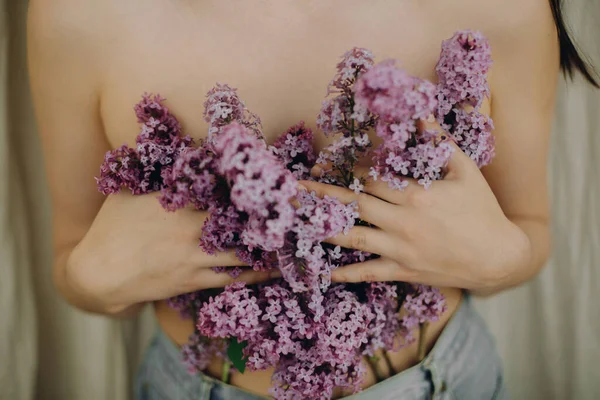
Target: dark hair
{"x": 571, "y": 59}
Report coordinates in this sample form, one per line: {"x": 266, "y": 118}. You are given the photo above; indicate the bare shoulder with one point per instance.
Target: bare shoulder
{"x": 526, "y": 52}
{"x": 520, "y": 24}
{"x": 509, "y": 24}
{"x": 67, "y": 21}
{"x": 78, "y": 31}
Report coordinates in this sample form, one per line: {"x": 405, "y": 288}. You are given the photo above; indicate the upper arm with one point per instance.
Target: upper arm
{"x": 523, "y": 82}
{"x": 64, "y": 71}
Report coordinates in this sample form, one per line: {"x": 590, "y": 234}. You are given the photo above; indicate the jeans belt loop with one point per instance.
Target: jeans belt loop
{"x": 437, "y": 379}
{"x": 206, "y": 387}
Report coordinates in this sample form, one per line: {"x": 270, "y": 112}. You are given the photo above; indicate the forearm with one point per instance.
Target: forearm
{"x": 526, "y": 255}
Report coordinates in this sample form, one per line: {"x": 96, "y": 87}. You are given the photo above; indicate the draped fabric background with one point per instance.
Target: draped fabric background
{"x": 548, "y": 331}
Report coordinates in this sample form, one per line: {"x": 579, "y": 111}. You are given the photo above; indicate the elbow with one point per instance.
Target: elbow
{"x": 74, "y": 280}
{"x": 73, "y": 289}
{"x": 532, "y": 249}
{"x": 527, "y": 256}
{"x": 539, "y": 250}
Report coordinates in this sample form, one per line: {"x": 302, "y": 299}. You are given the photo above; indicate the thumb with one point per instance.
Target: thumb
{"x": 459, "y": 163}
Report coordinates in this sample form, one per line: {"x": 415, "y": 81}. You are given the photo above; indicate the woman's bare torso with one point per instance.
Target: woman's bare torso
{"x": 280, "y": 55}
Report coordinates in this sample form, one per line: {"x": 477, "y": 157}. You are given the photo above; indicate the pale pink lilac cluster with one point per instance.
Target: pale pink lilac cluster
{"x": 389, "y": 92}
{"x": 294, "y": 149}
{"x": 191, "y": 180}
{"x": 473, "y": 131}
{"x": 399, "y": 101}
{"x": 200, "y": 350}
{"x": 189, "y": 303}
{"x": 422, "y": 304}
{"x": 159, "y": 144}
{"x": 310, "y": 358}
{"x": 462, "y": 73}
{"x": 304, "y": 261}
{"x": 341, "y": 116}
{"x": 353, "y": 63}
{"x": 223, "y": 106}
{"x": 314, "y": 333}
{"x": 260, "y": 186}
{"x": 395, "y": 102}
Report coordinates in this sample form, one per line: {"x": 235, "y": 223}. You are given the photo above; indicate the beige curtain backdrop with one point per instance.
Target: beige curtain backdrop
{"x": 548, "y": 331}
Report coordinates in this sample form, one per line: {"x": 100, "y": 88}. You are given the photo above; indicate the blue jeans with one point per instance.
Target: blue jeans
{"x": 463, "y": 365}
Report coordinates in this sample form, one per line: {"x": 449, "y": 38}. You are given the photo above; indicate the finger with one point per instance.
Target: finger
{"x": 225, "y": 258}
{"x": 378, "y": 270}
{"x": 369, "y": 208}
{"x": 459, "y": 164}
{"x": 377, "y": 188}
{"x": 382, "y": 190}
{"x": 318, "y": 169}
{"x": 371, "y": 240}
{"x": 222, "y": 279}
{"x": 429, "y": 124}
{"x": 344, "y": 195}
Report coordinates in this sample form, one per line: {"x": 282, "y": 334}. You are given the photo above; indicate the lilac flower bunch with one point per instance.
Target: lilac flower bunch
{"x": 314, "y": 333}
{"x": 159, "y": 144}
{"x": 222, "y": 106}
{"x": 462, "y": 88}
{"x": 394, "y": 102}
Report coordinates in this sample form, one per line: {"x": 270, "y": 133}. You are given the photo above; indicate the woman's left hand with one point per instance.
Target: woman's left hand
{"x": 453, "y": 234}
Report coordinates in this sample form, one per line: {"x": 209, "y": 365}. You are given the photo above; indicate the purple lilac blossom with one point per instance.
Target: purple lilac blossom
{"x": 191, "y": 181}
{"x": 462, "y": 71}
{"x": 400, "y": 101}
{"x": 121, "y": 167}
{"x": 303, "y": 260}
{"x": 199, "y": 351}
{"x": 294, "y": 149}
{"x": 158, "y": 145}
{"x": 311, "y": 358}
{"x": 388, "y": 91}
{"x": 422, "y": 304}
{"x": 353, "y": 63}
{"x": 472, "y": 131}
{"x": 260, "y": 186}
{"x": 223, "y": 106}
{"x": 222, "y": 229}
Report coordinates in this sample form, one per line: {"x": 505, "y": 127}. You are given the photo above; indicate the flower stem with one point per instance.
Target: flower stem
{"x": 389, "y": 363}
{"x": 195, "y": 317}
{"x": 225, "y": 372}
{"x": 421, "y": 348}
{"x": 374, "y": 363}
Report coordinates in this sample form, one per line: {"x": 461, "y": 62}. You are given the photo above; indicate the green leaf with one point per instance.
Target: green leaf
{"x": 235, "y": 354}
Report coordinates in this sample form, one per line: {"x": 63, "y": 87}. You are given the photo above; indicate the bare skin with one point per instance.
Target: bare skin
{"x": 90, "y": 62}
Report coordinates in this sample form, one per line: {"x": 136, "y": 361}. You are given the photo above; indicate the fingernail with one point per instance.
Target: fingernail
{"x": 301, "y": 187}
{"x": 431, "y": 118}
{"x": 316, "y": 171}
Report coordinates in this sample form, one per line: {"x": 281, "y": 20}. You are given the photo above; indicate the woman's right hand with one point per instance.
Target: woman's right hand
{"x": 135, "y": 252}
{"x": 110, "y": 254}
